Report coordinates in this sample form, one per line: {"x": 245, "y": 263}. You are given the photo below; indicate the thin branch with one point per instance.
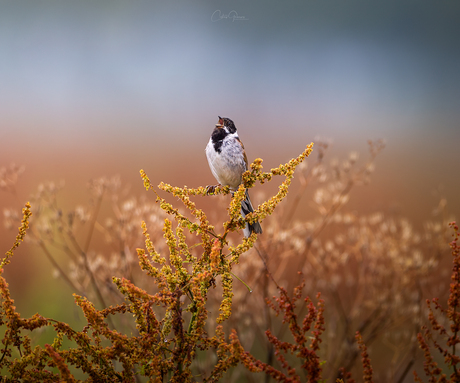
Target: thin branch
{"x": 58, "y": 268}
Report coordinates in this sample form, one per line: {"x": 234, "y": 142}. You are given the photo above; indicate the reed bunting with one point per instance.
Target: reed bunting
{"x": 227, "y": 160}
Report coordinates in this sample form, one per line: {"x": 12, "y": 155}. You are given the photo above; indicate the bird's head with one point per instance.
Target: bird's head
{"x": 225, "y": 122}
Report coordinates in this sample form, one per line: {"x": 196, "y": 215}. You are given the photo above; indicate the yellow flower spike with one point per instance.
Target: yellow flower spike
{"x": 235, "y": 204}
{"x": 169, "y": 236}
{"x": 26, "y": 214}
{"x": 149, "y": 245}
{"x": 184, "y": 249}
{"x": 167, "y": 324}
{"x": 169, "y": 277}
{"x": 145, "y": 179}
{"x": 183, "y": 194}
{"x": 227, "y": 294}
{"x": 181, "y": 274}
{"x": 145, "y": 264}
{"x": 256, "y": 166}
{"x": 243, "y": 247}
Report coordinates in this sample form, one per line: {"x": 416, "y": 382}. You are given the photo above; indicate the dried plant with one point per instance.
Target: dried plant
{"x": 170, "y": 321}
{"x": 373, "y": 271}
{"x": 304, "y": 347}
{"x": 9, "y": 176}
{"x": 450, "y": 334}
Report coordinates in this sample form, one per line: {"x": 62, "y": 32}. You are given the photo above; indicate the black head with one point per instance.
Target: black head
{"x": 227, "y": 123}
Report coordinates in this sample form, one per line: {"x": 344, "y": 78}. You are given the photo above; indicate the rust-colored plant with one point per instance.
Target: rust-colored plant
{"x": 180, "y": 317}
{"x": 170, "y": 318}
{"x": 304, "y": 347}
{"x": 449, "y": 334}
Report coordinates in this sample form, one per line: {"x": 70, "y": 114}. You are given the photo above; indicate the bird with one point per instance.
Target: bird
{"x": 228, "y": 161}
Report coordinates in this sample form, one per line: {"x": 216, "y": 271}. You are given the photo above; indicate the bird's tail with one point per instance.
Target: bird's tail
{"x": 246, "y": 208}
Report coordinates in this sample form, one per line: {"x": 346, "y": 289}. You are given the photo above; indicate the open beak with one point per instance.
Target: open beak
{"x": 221, "y": 122}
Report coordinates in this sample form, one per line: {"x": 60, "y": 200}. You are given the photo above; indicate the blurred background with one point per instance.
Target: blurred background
{"x": 104, "y": 88}
{"x": 98, "y": 88}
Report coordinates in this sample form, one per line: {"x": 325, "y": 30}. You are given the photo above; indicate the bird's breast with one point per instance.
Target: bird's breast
{"x": 228, "y": 165}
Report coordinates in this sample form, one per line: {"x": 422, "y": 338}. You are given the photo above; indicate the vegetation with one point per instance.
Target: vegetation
{"x": 193, "y": 304}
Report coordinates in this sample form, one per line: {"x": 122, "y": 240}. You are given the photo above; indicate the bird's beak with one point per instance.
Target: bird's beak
{"x": 221, "y": 122}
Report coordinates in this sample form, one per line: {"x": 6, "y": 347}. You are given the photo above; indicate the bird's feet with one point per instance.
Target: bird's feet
{"x": 210, "y": 189}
